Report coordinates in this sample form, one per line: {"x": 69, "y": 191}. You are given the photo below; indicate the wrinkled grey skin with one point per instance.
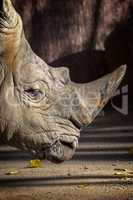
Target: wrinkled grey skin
{"x": 41, "y": 110}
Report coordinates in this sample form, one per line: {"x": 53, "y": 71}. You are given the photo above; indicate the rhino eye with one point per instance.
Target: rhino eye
{"x": 34, "y": 94}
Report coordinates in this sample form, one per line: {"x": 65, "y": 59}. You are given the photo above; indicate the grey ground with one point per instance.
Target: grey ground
{"x": 104, "y": 146}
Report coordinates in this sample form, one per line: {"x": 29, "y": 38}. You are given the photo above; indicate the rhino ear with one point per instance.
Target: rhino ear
{"x": 94, "y": 95}
{"x": 61, "y": 74}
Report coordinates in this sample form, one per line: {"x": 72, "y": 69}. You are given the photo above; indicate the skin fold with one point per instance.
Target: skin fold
{"x": 41, "y": 109}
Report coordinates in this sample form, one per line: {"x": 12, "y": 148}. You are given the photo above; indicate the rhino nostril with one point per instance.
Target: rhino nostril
{"x": 67, "y": 144}
{"x": 75, "y": 122}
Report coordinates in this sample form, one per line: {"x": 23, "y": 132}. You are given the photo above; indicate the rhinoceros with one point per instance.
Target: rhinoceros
{"x": 41, "y": 110}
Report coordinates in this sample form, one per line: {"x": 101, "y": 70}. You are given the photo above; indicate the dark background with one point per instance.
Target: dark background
{"x": 91, "y": 37}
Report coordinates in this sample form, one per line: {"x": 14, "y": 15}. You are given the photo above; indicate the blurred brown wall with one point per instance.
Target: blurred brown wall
{"x": 58, "y": 28}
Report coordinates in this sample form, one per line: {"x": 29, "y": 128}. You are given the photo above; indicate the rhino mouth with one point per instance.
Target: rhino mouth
{"x": 61, "y": 150}
{"x": 64, "y": 145}
{"x": 56, "y": 144}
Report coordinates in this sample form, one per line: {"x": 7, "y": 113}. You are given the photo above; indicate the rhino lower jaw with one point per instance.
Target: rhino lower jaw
{"x": 61, "y": 151}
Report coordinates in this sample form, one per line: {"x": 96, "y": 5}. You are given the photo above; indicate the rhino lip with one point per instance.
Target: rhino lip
{"x": 61, "y": 150}
{"x": 75, "y": 123}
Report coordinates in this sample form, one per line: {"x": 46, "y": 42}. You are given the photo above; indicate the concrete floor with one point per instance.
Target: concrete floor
{"x": 104, "y": 147}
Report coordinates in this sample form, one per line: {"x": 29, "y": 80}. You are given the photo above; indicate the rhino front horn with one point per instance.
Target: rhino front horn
{"x": 92, "y": 97}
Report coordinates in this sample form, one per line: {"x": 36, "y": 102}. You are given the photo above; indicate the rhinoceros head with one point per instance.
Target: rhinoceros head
{"x": 41, "y": 109}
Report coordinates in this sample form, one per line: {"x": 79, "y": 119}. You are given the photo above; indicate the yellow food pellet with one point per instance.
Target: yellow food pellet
{"x": 12, "y": 172}
{"x": 83, "y": 186}
{"x": 34, "y": 163}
